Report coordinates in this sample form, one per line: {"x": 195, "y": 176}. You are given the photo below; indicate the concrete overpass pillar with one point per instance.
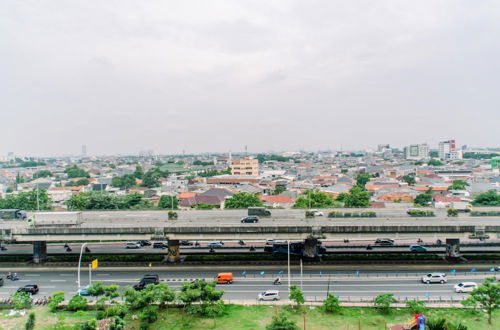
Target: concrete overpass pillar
{"x": 311, "y": 247}
{"x": 39, "y": 252}
{"x": 174, "y": 254}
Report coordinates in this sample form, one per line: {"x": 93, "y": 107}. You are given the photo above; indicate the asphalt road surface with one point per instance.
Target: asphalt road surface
{"x": 247, "y": 285}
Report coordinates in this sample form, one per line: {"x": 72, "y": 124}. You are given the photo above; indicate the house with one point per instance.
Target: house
{"x": 278, "y": 201}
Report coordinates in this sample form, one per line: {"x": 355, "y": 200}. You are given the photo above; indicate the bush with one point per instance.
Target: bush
{"x": 30, "y": 324}
{"x": 420, "y": 213}
{"x": 89, "y": 325}
{"x": 77, "y": 303}
{"x": 442, "y": 324}
{"x": 149, "y": 314}
{"x": 282, "y": 322}
{"x": 485, "y": 213}
{"x": 57, "y": 298}
{"x": 331, "y": 304}
{"x": 309, "y": 214}
{"x": 383, "y": 302}
{"x": 452, "y": 212}
{"x": 172, "y": 215}
{"x": 416, "y": 306}
{"x": 21, "y": 300}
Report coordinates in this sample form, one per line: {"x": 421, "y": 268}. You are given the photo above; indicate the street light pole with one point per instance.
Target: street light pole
{"x": 288, "y": 244}
{"x": 79, "y": 263}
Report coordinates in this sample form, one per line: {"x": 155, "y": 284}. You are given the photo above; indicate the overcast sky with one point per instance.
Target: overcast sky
{"x": 200, "y": 76}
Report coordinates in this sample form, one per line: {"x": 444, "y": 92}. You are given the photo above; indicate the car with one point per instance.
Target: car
{"x": 186, "y": 243}
{"x": 417, "y": 248}
{"x": 215, "y": 245}
{"x": 144, "y": 243}
{"x": 269, "y": 295}
{"x": 29, "y": 288}
{"x": 384, "y": 241}
{"x": 1, "y": 281}
{"x": 434, "y": 278}
{"x": 250, "y": 219}
{"x": 132, "y": 245}
{"x": 147, "y": 280}
{"x": 159, "y": 245}
{"x": 317, "y": 213}
{"x": 274, "y": 241}
{"x": 83, "y": 291}
{"x": 465, "y": 287}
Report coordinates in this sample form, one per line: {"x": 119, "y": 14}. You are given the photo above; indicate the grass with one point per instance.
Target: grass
{"x": 256, "y": 317}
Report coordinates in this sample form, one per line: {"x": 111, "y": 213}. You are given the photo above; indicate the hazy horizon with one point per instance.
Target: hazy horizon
{"x": 125, "y": 76}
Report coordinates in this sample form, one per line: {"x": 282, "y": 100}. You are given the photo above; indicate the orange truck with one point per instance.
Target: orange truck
{"x": 224, "y": 278}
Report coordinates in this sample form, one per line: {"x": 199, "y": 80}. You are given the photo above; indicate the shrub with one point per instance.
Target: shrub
{"x": 282, "y": 322}
{"x": 30, "y": 324}
{"x": 89, "y": 325}
{"x": 331, "y": 304}
{"x": 57, "y": 298}
{"x": 172, "y": 215}
{"x": 149, "y": 314}
{"x": 416, "y": 306}
{"x": 309, "y": 214}
{"x": 383, "y": 302}
{"x": 452, "y": 212}
{"x": 77, "y": 303}
{"x": 21, "y": 300}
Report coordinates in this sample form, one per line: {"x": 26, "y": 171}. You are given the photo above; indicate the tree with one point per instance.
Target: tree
{"x": 342, "y": 197}
{"x": 123, "y": 182}
{"x": 458, "y": 185}
{"x": 168, "y": 202}
{"x": 424, "y": 199}
{"x": 204, "y": 293}
{"x": 486, "y": 297}
{"x": 21, "y": 300}
{"x": 42, "y": 174}
{"x": 331, "y": 304}
{"x": 19, "y": 178}
{"x": 76, "y": 172}
{"x": 314, "y": 199}
{"x": 416, "y": 306}
{"x": 434, "y": 162}
{"x": 138, "y": 173}
{"x": 163, "y": 294}
{"x": 149, "y": 314}
{"x": 57, "y": 298}
{"x": 279, "y": 189}
{"x": 151, "y": 179}
{"x": 96, "y": 289}
{"x": 383, "y": 302}
{"x": 77, "y": 303}
{"x": 27, "y": 200}
{"x": 489, "y": 198}
{"x": 111, "y": 291}
{"x": 296, "y": 295}
{"x": 282, "y": 322}
{"x": 452, "y": 212}
{"x": 362, "y": 179}
{"x": 243, "y": 200}
{"x": 30, "y": 324}
{"x": 95, "y": 200}
{"x": 81, "y": 182}
{"x": 357, "y": 197}
{"x": 410, "y": 179}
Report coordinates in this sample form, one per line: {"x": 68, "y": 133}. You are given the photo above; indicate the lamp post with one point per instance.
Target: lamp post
{"x": 79, "y": 263}
{"x": 288, "y": 245}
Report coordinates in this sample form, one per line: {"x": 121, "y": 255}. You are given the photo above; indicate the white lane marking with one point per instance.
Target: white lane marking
{"x": 24, "y": 281}
{"x": 49, "y": 287}
{"x": 32, "y": 274}
{"x": 58, "y": 280}
{"x": 99, "y": 274}
{"x": 66, "y": 274}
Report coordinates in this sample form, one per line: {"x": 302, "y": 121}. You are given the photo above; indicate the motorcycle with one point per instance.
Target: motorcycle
{"x": 12, "y": 277}
{"x": 68, "y": 249}
{"x": 277, "y": 281}
{"x": 241, "y": 243}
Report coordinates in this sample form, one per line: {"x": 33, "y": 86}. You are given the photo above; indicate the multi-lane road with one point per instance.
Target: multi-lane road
{"x": 246, "y": 286}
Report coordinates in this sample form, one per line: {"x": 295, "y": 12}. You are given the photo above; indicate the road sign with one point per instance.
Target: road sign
{"x": 95, "y": 263}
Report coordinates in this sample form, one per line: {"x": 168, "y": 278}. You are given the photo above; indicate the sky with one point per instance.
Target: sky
{"x": 213, "y": 76}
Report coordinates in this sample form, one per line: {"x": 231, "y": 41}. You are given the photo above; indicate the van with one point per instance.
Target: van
{"x": 224, "y": 278}
{"x": 268, "y": 295}
{"x": 259, "y": 211}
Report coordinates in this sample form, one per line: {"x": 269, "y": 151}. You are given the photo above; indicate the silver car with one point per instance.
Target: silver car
{"x": 434, "y": 278}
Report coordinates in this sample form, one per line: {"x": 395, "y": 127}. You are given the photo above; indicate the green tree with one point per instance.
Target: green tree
{"x": 96, "y": 289}
{"x": 123, "y": 182}
{"x": 331, "y": 304}
{"x": 296, "y": 295}
{"x": 81, "y": 182}
{"x": 167, "y": 202}
{"x": 410, "y": 179}
{"x": 57, "y": 298}
{"x": 27, "y": 200}
{"x": 383, "y": 302}
{"x": 282, "y": 322}
{"x": 452, "y": 212}
{"x": 21, "y": 300}
{"x": 279, "y": 190}
{"x": 76, "y": 172}
{"x": 96, "y": 200}
{"x": 424, "y": 198}
{"x": 489, "y": 198}
{"x": 42, "y": 174}
{"x": 163, "y": 294}
{"x": 362, "y": 179}
{"x": 486, "y": 297}
{"x": 434, "y": 162}
{"x": 243, "y": 200}
{"x": 314, "y": 199}
{"x": 89, "y": 325}
{"x": 416, "y": 306}
{"x": 19, "y": 178}
{"x": 357, "y": 197}
{"x": 139, "y": 172}
{"x": 151, "y": 179}
{"x": 77, "y": 303}
{"x": 30, "y": 323}
{"x": 149, "y": 314}
{"x": 342, "y": 197}
{"x": 111, "y": 291}
{"x": 210, "y": 303}
{"x": 458, "y": 185}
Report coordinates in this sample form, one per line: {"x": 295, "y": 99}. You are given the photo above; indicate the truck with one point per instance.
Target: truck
{"x": 461, "y": 206}
{"x": 259, "y": 211}
{"x": 56, "y": 219}
{"x": 12, "y": 214}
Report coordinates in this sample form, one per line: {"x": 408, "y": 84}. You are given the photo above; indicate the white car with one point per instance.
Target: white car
{"x": 317, "y": 213}
{"x": 132, "y": 245}
{"x": 434, "y": 278}
{"x": 269, "y": 295}
{"x": 465, "y": 287}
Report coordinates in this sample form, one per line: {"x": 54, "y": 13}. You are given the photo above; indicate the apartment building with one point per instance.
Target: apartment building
{"x": 417, "y": 151}
{"x": 245, "y": 166}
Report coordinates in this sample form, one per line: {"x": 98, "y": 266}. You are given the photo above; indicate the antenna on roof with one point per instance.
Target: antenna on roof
{"x": 246, "y": 150}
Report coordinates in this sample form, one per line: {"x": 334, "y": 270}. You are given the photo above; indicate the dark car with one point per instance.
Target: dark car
{"x": 1, "y": 281}
{"x": 30, "y": 288}
{"x": 250, "y": 219}
{"x": 159, "y": 245}
{"x": 186, "y": 243}
{"x": 144, "y": 243}
{"x": 384, "y": 241}
{"x": 147, "y": 280}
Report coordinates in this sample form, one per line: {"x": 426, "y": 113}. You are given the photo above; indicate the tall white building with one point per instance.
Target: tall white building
{"x": 448, "y": 150}
{"x": 416, "y": 151}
